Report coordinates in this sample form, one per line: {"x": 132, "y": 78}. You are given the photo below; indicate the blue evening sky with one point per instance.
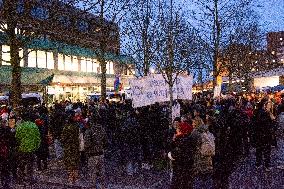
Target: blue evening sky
{"x": 271, "y": 13}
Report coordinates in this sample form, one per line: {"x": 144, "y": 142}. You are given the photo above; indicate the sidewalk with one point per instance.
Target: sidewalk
{"x": 116, "y": 178}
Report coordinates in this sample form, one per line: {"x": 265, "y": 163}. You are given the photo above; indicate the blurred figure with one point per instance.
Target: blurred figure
{"x": 280, "y": 132}
{"x": 263, "y": 129}
{"x": 95, "y": 145}
{"x": 70, "y": 141}
{"x": 5, "y": 146}
{"x": 28, "y": 140}
{"x": 182, "y": 157}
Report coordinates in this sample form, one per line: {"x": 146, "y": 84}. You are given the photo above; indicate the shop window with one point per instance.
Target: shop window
{"x": 83, "y": 65}
{"x": 110, "y": 68}
{"x": 96, "y": 65}
{"x": 75, "y": 63}
{"x": 125, "y": 70}
{"x": 89, "y": 65}
{"x": 60, "y": 62}
{"x": 32, "y": 58}
{"x": 41, "y": 59}
{"x": 40, "y": 13}
{"x": 3, "y": 27}
{"x": 83, "y": 26}
{"x": 21, "y": 54}
{"x": 50, "y": 60}
{"x": 68, "y": 63}
{"x": 6, "y": 55}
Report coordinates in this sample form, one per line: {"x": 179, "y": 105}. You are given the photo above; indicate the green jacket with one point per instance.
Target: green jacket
{"x": 28, "y": 137}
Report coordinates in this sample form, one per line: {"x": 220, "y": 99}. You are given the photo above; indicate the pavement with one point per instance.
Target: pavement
{"x": 246, "y": 176}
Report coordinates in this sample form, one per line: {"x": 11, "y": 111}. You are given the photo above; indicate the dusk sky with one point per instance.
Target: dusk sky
{"x": 271, "y": 13}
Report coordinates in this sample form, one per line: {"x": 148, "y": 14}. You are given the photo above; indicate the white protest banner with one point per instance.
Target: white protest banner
{"x": 175, "y": 111}
{"x": 151, "y": 89}
{"x": 217, "y": 91}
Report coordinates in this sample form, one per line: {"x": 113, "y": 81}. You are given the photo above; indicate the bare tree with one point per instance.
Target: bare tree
{"x": 173, "y": 41}
{"x": 139, "y": 33}
{"x": 114, "y": 11}
{"x": 215, "y": 21}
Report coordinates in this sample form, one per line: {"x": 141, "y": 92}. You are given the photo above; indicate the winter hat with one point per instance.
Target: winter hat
{"x": 185, "y": 128}
{"x": 39, "y": 122}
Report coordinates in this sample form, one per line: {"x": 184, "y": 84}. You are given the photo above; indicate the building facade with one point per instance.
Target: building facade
{"x": 61, "y": 53}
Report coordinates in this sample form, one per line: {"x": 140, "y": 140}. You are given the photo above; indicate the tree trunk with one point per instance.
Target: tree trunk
{"x": 103, "y": 75}
{"x": 14, "y": 43}
{"x": 102, "y": 60}
{"x": 171, "y": 105}
{"x": 216, "y": 35}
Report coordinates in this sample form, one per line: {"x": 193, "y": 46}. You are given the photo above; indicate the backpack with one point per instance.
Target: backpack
{"x": 208, "y": 144}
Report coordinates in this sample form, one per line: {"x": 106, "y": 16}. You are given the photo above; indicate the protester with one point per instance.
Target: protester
{"x": 280, "y": 121}
{"x": 28, "y": 140}
{"x": 203, "y": 165}
{"x": 70, "y": 141}
{"x": 131, "y": 143}
{"x": 42, "y": 152}
{"x": 182, "y": 156}
{"x": 263, "y": 126}
{"x": 95, "y": 145}
{"x": 5, "y": 145}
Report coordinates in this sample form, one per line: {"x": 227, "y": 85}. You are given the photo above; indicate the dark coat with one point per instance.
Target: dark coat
{"x": 70, "y": 141}
{"x": 263, "y": 129}
{"x": 5, "y": 143}
{"x": 95, "y": 140}
{"x": 183, "y": 165}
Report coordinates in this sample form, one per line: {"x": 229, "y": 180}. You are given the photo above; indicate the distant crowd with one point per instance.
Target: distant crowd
{"x": 207, "y": 140}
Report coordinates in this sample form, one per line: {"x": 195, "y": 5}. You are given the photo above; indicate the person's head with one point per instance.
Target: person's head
{"x": 177, "y": 120}
{"x": 26, "y": 116}
{"x": 183, "y": 129}
{"x": 197, "y": 122}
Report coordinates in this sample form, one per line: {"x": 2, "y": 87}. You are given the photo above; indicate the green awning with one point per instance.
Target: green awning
{"x": 75, "y": 50}
{"x": 39, "y": 76}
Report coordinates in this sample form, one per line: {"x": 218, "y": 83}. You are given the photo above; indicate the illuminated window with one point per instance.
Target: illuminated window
{"x": 32, "y": 58}
{"x": 50, "y": 60}
{"x": 3, "y": 27}
{"x": 83, "y": 65}
{"x": 41, "y": 59}
{"x": 68, "y": 63}
{"x": 107, "y": 68}
{"x": 89, "y": 65}
{"x": 96, "y": 66}
{"x": 75, "y": 63}
{"x": 111, "y": 71}
{"x": 21, "y": 54}
{"x": 6, "y": 55}
{"x": 60, "y": 62}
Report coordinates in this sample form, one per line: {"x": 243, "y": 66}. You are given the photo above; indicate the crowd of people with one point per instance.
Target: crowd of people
{"x": 208, "y": 139}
